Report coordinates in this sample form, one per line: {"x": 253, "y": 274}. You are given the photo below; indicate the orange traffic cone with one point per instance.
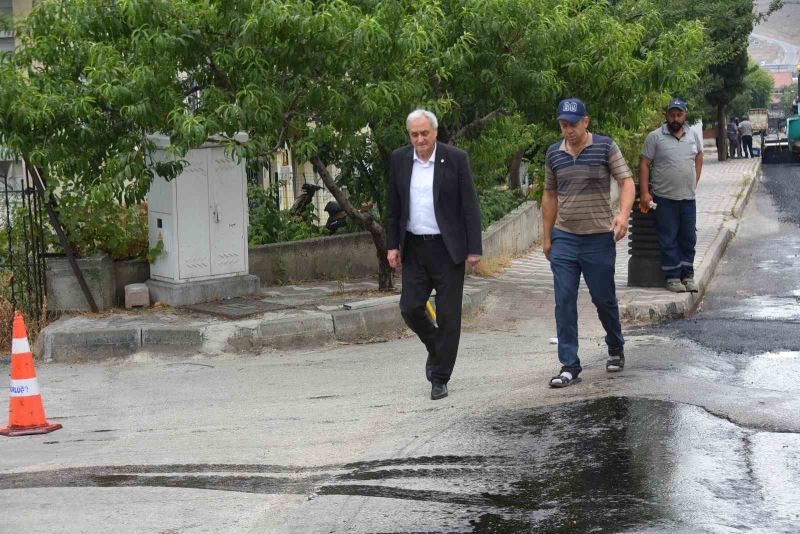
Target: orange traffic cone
{"x": 26, "y": 412}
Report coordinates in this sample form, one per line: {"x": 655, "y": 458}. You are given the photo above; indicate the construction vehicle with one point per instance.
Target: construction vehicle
{"x": 793, "y": 133}
{"x": 784, "y": 145}
{"x": 759, "y": 118}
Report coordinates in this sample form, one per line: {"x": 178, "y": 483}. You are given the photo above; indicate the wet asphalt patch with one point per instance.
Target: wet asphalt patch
{"x": 753, "y": 306}
{"x": 781, "y": 183}
{"x": 600, "y": 465}
{"x": 730, "y": 335}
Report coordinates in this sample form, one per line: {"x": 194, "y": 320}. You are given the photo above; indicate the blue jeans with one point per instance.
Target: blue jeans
{"x": 594, "y": 256}
{"x": 676, "y": 222}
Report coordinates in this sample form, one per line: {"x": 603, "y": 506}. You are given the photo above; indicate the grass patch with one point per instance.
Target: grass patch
{"x": 489, "y": 268}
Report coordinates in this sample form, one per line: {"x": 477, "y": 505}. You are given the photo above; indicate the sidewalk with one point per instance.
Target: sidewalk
{"x": 319, "y": 313}
{"x": 722, "y": 194}
{"x": 292, "y": 316}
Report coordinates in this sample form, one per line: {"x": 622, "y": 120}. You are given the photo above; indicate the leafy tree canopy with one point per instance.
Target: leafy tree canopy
{"x": 756, "y": 92}
{"x": 332, "y": 79}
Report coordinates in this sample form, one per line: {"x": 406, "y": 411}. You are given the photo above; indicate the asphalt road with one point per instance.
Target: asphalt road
{"x": 791, "y": 53}
{"x": 754, "y": 303}
{"x": 699, "y": 434}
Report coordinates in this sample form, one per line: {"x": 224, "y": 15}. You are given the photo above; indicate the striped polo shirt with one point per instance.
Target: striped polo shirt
{"x": 584, "y": 183}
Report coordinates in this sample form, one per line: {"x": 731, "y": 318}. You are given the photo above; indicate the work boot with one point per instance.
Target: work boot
{"x": 675, "y": 285}
{"x": 690, "y": 285}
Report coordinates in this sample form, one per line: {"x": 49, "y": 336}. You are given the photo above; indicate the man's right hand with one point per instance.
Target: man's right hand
{"x": 546, "y": 248}
{"x": 644, "y": 202}
{"x": 394, "y": 258}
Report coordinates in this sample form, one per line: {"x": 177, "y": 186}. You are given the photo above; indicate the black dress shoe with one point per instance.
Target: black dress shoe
{"x": 438, "y": 390}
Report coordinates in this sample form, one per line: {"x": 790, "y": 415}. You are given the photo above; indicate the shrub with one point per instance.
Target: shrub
{"x": 268, "y": 224}
{"x": 96, "y": 223}
{"x": 496, "y": 203}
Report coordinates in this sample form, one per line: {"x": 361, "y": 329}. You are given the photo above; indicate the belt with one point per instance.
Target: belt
{"x": 426, "y": 237}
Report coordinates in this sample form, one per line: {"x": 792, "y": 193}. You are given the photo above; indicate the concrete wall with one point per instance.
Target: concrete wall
{"x": 353, "y": 255}
{"x": 65, "y": 293}
{"x": 514, "y": 233}
{"x": 334, "y": 257}
{"x": 135, "y": 271}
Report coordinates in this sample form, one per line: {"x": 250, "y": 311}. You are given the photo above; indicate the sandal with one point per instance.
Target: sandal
{"x": 616, "y": 360}
{"x": 564, "y": 379}
{"x": 615, "y": 364}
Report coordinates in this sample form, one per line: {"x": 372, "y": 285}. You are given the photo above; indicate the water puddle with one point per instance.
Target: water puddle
{"x": 604, "y": 465}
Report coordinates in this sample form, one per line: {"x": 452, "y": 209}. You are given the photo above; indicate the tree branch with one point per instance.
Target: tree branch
{"x": 364, "y": 219}
{"x": 474, "y": 124}
{"x": 223, "y": 78}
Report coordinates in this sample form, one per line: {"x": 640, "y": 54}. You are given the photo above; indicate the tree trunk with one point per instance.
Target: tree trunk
{"x": 722, "y": 136}
{"x": 514, "y": 164}
{"x": 385, "y": 282}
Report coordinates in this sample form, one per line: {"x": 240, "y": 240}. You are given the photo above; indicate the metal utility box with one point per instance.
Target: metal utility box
{"x": 200, "y": 217}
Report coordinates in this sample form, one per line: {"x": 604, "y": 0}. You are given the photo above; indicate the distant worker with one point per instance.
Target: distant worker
{"x": 738, "y": 139}
{"x": 732, "y": 132}
{"x": 746, "y": 130}
{"x": 675, "y": 152}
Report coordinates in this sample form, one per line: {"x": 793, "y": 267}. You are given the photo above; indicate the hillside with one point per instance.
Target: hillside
{"x": 782, "y": 25}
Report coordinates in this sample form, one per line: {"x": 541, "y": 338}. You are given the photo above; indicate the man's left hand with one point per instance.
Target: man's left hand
{"x": 473, "y": 260}
{"x": 620, "y": 226}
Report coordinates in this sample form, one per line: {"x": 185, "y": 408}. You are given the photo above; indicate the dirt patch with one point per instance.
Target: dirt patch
{"x": 491, "y": 267}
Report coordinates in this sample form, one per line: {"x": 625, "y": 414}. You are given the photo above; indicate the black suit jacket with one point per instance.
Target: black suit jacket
{"x": 455, "y": 201}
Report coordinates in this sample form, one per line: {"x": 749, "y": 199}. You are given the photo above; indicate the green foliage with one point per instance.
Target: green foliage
{"x": 268, "y": 224}
{"x": 496, "y": 203}
{"x": 501, "y": 136}
{"x": 789, "y": 100}
{"x": 727, "y": 25}
{"x": 94, "y": 222}
{"x": 330, "y": 78}
{"x": 17, "y": 231}
{"x": 756, "y": 92}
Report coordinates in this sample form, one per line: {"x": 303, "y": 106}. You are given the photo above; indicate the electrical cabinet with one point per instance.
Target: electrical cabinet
{"x": 200, "y": 217}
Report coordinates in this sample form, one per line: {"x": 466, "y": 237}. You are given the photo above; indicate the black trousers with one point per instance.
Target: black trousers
{"x": 747, "y": 145}
{"x": 426, "y": 266}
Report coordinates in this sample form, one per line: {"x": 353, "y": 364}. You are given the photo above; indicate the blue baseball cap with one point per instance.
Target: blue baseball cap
{"x": 571, "y": 109}
{"x": 676, "y": 103}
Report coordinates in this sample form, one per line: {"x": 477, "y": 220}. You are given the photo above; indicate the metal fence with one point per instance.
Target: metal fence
{"x": 22, "y": 245}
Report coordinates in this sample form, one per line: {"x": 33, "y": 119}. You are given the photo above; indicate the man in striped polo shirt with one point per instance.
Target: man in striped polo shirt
{"x": 580, "y": 232}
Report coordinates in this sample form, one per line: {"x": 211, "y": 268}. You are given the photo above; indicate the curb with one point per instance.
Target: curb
{"x": 685, "y": 304}
{"x": 66, "y": 341}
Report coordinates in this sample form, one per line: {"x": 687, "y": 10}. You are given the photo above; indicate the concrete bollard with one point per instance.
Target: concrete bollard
{"x": 137, "y": 295}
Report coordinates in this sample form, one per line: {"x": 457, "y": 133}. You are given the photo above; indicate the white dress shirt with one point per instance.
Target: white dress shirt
{"x": 421, "y": 215}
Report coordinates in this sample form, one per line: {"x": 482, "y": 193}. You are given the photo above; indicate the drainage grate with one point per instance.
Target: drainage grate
{"x": 236, "y": 308}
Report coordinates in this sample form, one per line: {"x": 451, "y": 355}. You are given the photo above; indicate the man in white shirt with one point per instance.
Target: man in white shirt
{"x": 434, "y": 219}
{"x": 746, "y": 131}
